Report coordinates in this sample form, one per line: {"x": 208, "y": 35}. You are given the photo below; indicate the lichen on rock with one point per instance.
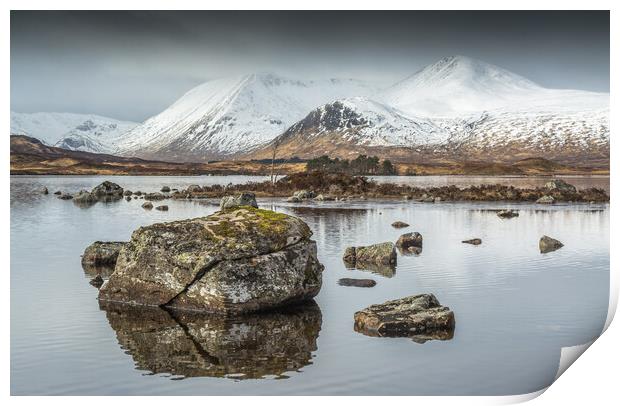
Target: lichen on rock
{"x": 234, "y": 261}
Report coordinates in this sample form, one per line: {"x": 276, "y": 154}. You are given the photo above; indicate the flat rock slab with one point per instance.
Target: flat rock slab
{"x": 507, "y": 214}
{"x": 473, "y": 241}
{"x": 420, "y": 317}
{"x": 399, "y": 224}
{"x": 233, "y": 261}
{"x": 358, "y": 283}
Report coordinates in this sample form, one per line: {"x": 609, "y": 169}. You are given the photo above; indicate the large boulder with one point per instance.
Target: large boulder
{"x": 242, "y": 199}
{"x": 548, "y": 244}
{"x": 559, "y": 184}
{"x": 420, "y": 317}
{"x": 102, "y": 253}
{"x": 234, "y": 261}
{"x": 107, "y": 190}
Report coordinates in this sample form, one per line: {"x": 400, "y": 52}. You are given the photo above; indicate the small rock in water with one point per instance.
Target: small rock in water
{"x": 155, "y": 196}
{"x": 242, "y": 199}
{"x": 128, "y": 198}
{"x": 324, "y": 198}
{"x": 359, "y": 283}
{"x": 473, "y": 241}
{"x": 138, "y": 193}
{"x": 304, "y": 194}
{"x": 419, "y": 317}
{"x": 107, "y": 190}
{"x": 58, "y": 192}
{"x": 559, "y": 184}
{"x": 65, "y": 197}
{"x": 165, "y": 189}
{"x": 409, "y": 240}
{"x": 194, "y": 188}
{"x": 293, "y": 199}
{"x": 548, "y": 244}
{"x": 378, "y": 254}
{"x": 97, "y": 281}
{"x": 163, "y": 207}
{"x": 127, "y": 193}
{"x": 546, "y": 200}
{"x": 45, "y": 191}
{"x": 399, "y": 224}
{"x": 147, "y": 205}
{"x": 85, "y": 198}
{"x": 507, "y": 214}
{"x": 102, "y": 253}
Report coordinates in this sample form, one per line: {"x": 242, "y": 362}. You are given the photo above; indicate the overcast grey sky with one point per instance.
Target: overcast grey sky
{"x": 132, "y": 65}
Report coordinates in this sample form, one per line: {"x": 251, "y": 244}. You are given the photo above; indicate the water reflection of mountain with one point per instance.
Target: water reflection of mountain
{"x": 195, "y": 344}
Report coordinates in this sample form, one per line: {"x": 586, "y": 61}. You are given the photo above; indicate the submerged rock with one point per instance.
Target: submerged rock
{"x": 147, "y": 205}
{"x": 163, "y": 207}
{"x": 562, "y": 186}
{"x": 107, "y": 190}
{"x": 420, "y": 317}
{"x": 58, "y": 192}
{"x": 399, "y": 224}
{"x": 233, "y": 261}
{"x": 45, "y": 191}
{"x": 359, "y": 283}
{"x": 65, "y": 196}
{"x": 548, "y": 244}
{"x": 473, "y": 241}
{"x": 165, "y": 189}
{"x": 242, "y": 199}
{"x": 507, "y": 214}
{"x": 410, "y": 240}
{"x": 190, "y": 344}
{"x": 102, "y": 253}
{"x": 546, "y": 200}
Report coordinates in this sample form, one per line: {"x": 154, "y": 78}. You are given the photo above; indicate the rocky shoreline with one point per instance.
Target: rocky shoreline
{"x": 322, "y": 186}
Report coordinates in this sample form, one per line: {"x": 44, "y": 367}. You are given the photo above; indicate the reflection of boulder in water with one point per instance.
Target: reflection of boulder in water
{"x": 194, "y": 344}
{"x": 93, "y": 270}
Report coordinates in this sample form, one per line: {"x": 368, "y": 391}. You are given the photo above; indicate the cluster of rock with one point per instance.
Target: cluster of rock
{"x": 302, "y": 195}
{"x": 237, "y": 260}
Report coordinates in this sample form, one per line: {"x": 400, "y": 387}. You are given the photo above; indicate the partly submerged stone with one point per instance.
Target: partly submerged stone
{"x": 155, "y": 196}
{"x": 163, "y": 207}
{"x": 507, "y": 214}
{"x": 546, "y": 199}
{"x": 399, "y": 224}
{"x": 473, "y": 241}
{"x": 548, "y": 244}
{"x": 44, "y": 190}
{"x": 233, "y": 261}
{"x": 359, "y": 283}
{"x": 191, "y": 344}
{"x": 559, "y": 184}
{"x": 409, "y": 240}
{"x": 102, "y": 253}
{"x": 85, "y": 198}
{"x": 378, "y": 254}
{"x": 165, "y": 189}
{"x": 304, "y": 194}
{"x": 147, "y": 205}
{"x": 65, "y": 196}
{"x": 107, "y": 190}
{"x": 420, "y": 317}
{"x": 242, "y": 199}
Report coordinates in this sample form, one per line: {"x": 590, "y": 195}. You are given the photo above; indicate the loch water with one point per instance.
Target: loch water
{"x": 515, "y": 308}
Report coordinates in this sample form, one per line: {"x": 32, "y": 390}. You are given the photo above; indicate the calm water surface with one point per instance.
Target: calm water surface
{"x": 515, "y": 308}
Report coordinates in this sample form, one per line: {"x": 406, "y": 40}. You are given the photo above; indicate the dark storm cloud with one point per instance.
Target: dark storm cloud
{"x": 131, "y": 65}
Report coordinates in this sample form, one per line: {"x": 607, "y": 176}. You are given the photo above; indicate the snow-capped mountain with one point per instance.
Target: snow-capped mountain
{"x": 79, "y": 132}
{"x": 459, "y": 108}
{"x": 230, "y": 116}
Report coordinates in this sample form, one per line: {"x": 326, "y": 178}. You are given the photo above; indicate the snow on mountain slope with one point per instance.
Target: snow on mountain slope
{"x": 366, "y": 122}
{"x": 84, "y": 132}
{"x": 228, "y": 116}
{"x": 458, "y": 85}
